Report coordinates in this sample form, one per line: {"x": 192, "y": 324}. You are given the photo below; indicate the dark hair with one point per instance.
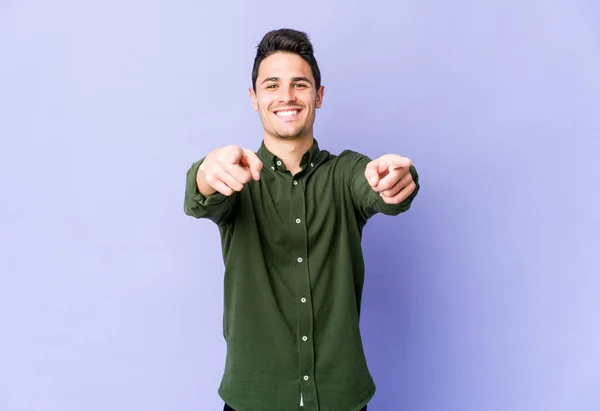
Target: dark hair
{"x": 287, "y": 41}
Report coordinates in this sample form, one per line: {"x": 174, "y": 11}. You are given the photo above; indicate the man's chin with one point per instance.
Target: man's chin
{"x": 290, "y": 135}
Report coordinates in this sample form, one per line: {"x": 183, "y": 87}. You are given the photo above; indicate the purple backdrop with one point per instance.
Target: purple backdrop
{"x": 485, "y": 296}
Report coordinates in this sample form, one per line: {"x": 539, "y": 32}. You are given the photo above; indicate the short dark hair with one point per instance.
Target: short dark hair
{"x": 286, "y": 41}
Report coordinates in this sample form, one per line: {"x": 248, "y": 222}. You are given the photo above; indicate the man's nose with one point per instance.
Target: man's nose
{"x": 287, "y": 95}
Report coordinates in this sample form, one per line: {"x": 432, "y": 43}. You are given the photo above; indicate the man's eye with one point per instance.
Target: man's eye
{"x": 271, "y": 86}
{"x": 300, "y": 85}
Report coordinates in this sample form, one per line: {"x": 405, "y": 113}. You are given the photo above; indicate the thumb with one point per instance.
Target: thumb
{"x": 372, "y": 173}
{"x": 253, "y": 162}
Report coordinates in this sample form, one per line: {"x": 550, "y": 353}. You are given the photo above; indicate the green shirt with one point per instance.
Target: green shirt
{"x": 294, "y": 274}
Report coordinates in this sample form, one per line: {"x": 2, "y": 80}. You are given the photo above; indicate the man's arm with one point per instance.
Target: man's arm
{"x": 212, "y": 183}
{"x": 385, "y": 185}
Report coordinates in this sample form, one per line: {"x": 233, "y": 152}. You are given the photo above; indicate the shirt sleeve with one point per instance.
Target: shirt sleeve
{"x": 216, "y": 207}
{"x": 367, "y": 201}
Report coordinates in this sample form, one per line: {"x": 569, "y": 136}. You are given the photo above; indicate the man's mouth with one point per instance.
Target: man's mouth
{"x": 287, "y": 113}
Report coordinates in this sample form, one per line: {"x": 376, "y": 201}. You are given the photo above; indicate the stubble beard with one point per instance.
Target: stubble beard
{"x": 298, "y": 134}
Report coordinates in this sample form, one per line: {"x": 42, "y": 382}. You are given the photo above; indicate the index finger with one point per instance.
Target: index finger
{"x": 253, "y": 162}
{"x": 400, "y": 162}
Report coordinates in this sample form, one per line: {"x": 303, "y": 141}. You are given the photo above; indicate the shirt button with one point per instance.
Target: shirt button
{"x": 306, "y": 378}
{"x": 299, "y": 259}
{"x": 279, "y": 163}
{"x": 305, "y": 338}
{"x": 312, "y": 164}
{"x": 303, "y": 300}
{"x": 295, "y": 183}
{"x": 272, "y": 168}
{"x": 297, "y": 221}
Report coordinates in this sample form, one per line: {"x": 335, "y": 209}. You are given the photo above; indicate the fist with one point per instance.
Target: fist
{"x": 389, "y": 175}
{"x": 226, "y": 170}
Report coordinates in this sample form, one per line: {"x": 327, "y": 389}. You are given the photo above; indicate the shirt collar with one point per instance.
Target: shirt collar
{"x": 271, "y": 160}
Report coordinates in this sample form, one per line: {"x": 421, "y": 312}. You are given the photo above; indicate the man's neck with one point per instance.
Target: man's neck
{"x": 289, "y": 151}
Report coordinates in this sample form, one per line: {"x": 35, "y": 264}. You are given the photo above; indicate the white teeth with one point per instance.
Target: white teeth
{"x": 287, "y": 113}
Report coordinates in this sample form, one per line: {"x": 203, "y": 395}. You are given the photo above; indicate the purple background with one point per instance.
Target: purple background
{"x": 484, "y": 297}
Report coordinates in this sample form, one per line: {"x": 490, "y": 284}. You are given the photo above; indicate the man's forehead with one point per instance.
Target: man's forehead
{"x": 285, "y": 66}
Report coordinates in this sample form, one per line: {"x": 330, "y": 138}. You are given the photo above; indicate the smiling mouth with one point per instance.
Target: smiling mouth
{"x": 287, "y": 113}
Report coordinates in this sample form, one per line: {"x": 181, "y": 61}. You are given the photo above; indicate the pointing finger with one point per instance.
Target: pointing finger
{"x": 253, "y": 162}
{"x": 397, "y": 161}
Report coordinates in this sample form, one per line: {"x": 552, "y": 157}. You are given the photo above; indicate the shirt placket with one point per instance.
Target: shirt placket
{"x": 303, "y": 295}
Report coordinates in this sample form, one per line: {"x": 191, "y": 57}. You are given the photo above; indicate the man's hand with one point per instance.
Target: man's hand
{"x": 389, "y": 176}
{"x": 226, "y": 170}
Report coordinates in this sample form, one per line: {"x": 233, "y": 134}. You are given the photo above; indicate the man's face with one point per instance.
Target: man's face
{"x": 285, "y": 96}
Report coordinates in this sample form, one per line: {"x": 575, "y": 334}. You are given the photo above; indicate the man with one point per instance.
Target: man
{"x": 291, "y": 218}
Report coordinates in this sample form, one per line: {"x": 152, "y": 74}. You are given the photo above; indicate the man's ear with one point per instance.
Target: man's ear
{"x": 320, "y": 94}
{"x": 252, "y": 94}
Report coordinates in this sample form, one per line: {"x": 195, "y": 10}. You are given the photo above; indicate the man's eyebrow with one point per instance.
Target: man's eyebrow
{"x": 302, "y": 79}
{"x": 270, "y": 79}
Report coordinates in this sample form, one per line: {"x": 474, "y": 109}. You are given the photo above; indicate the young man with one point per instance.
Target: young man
{"x": 291, "y": 218}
